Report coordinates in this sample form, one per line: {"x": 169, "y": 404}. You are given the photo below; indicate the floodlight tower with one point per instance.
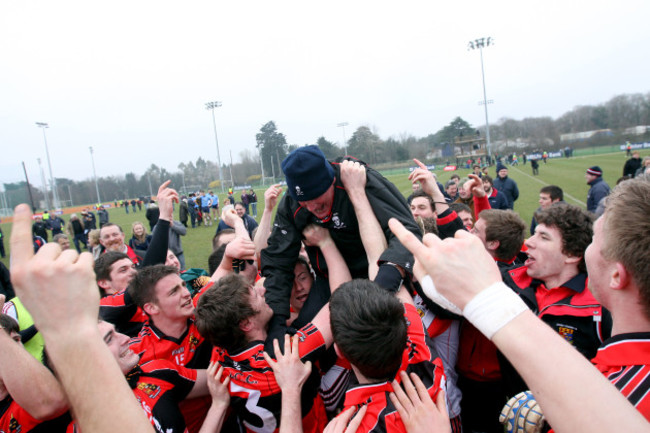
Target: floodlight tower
{"x": 211, "y": 106}
{"x": 479, "y": 44}
{"x": 55, "y": 196}
{"x": 345, "y": 146}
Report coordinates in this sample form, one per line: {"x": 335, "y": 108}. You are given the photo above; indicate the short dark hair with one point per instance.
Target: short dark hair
{"x": 555, "y": 192}
{"x": 216, "y": 240}
{"x": 508, "y": 228}
{"x": 9, "y": 324}
{"x": 574, "y": 224}
{"x": 369, "y": 328}
{"x": 488, "y": 179}
{"x": 421, "y": 193}
{"x": 143, "y": 286}
{"x": 460, "y": 207}
{"x": 215, "y": 258}
{"x": 221, "y": 309}
{"x": 104, "y": 263}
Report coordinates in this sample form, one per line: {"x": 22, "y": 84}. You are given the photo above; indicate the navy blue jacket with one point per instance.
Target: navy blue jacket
{"x": 509, "y": 188}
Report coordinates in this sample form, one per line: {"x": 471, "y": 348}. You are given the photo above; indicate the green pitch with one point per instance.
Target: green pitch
{"x": 566, "y": 173}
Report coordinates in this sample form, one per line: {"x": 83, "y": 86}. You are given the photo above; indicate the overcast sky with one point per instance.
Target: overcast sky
{"x": 131, "y": 78}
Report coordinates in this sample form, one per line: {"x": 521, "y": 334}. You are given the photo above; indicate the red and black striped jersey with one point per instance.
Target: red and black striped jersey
{"x": 159, "y": 387}
{"x": 254, "y": 393}
{"x": 191, "y": 350}
{"x": 381, "y": 415}
{"x": 625, "y": 360}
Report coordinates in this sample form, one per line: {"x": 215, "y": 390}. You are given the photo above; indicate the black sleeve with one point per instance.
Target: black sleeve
{"x": 387, "y": 202}
{"x": 157, "y": 251}
{"x": 6, "y": 288}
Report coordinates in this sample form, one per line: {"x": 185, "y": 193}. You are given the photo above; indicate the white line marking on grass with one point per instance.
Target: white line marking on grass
{"x": 545, "y": 183}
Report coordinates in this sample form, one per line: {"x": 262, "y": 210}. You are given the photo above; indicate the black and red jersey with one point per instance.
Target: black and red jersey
{"x": 570, "y": 309}
{"x": 120, "y": 310}
{"x": 191, "y": 350}
{"x": 625, "y": 361}
{"x": 15, "y": 419}
{"x": 381, "y": 415}
{"x": 254, "y": 393}
{"x": 159, "y": 387}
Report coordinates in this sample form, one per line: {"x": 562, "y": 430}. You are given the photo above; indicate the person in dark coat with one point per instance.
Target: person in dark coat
{"x": 506, "y": 185}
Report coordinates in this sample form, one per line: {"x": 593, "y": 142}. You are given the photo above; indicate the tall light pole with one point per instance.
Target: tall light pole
{"x": 47, "y": 198}
{"x": 92, "y": 158}
{"x": 211, "y": 106}
{"x": 345, "y": 147}
{"x": 55, "y": 196}
{"x": 479, "y": 44}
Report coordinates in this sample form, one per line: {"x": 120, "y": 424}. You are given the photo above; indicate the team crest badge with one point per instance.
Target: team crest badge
{"x": 566, "y": 333}
{"x": 150, "y": 389}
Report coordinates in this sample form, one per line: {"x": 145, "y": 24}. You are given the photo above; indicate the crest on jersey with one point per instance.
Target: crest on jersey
{"x": 150, "y": 389}
{"x": 299, "y": 191}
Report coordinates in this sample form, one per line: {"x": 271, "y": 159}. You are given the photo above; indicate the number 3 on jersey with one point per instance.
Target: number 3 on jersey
{"x": 267, "y": 423}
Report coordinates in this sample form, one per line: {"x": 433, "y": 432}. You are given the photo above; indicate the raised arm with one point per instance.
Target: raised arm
{"x": 45, "y": 283}
{"x": 353, "y": 176}
{"x": 271, "y": 197}
{"x": 429, "y": 186}
{"x": 157, "y": 251}
{"x": 29, "y": 382}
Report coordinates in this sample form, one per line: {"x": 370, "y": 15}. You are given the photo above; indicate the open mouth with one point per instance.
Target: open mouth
{"x": 529, "y": 261}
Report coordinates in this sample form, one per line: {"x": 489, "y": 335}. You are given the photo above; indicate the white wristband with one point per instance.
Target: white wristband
{"x": 429, "y": 289}
{"x": 493, "y": 308}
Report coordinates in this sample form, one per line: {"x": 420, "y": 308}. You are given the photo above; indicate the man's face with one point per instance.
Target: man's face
{"x": 590, "y": 177}
{"x": 302, "y": 282}
{"x": 421, "y": 207}
{"x": 118, "y": 344}
{"x": 258, "y": 303}
{"x": 545, "y": 200}
{"x": 240, "y": 210}
{"x": 487, "y": 187}
{"x": 64, "y": 243}
{"x": 320, "y": 206}
{"x": 463, "y": 193}
{"x": 112, "y": 238}
{"x": 503, "y": 173}
{"x": 479, "y": 231}
{"x": 172, "y": 260}
{"x": 598, "y": 268}
{"x": 467, "y": 218}
{"x": 452, "y": 189}
{"x": 545, "y": 257}
{"x": 415, "y": 186}
{"x": 121, "y": 274}
{"x": 173, "y": 300}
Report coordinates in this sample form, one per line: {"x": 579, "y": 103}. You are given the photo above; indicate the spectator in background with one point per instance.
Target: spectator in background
{"x": 152, "y": 214}
{"x": 252, "y": 197}
{"x": 249, "y": 222}
{"x": 632, "y": 165}
{"x": 183, "y": 211}
{"x": 598, "y": 188}
{"x": 506, "y": 185}
{"x": 76, "y": 231}
{"x": 245, "y": 201}
{"x": 176, "y": 230}
{"x": 63, "y": 241}
{"x": 547, "y": 196}
{"x": 496, "y": 198}
{"x": 644, "y": 166}
{"x": 56, "y": 224}
{"x": 451, "y": 191}
{"x": 103, "y": 216}
{"x": 140, "y": 239}
{"x": 40, "y": 227}
{"x": 535, "y": 166}
{"x": 2, "y": 244}
{"x": 93, "y": 243}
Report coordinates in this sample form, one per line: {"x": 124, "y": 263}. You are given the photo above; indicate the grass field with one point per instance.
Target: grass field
{"x": 566, "y": 173}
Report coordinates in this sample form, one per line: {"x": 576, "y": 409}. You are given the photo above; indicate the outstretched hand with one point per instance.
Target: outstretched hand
{"x": 290, "y": 372}
{"x": 416, "y": 408}
{"x": 475, "y": 186}
{"x": 166, "y": 198}
{"x": 271, "y": 196}
{"x": 460, "y": 267}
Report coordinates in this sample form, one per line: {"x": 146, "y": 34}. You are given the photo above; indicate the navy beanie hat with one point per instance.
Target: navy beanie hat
{"x": 595, "y": 171}
{"x": 308, "y": 173}
{"x": 500, "y": 167}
